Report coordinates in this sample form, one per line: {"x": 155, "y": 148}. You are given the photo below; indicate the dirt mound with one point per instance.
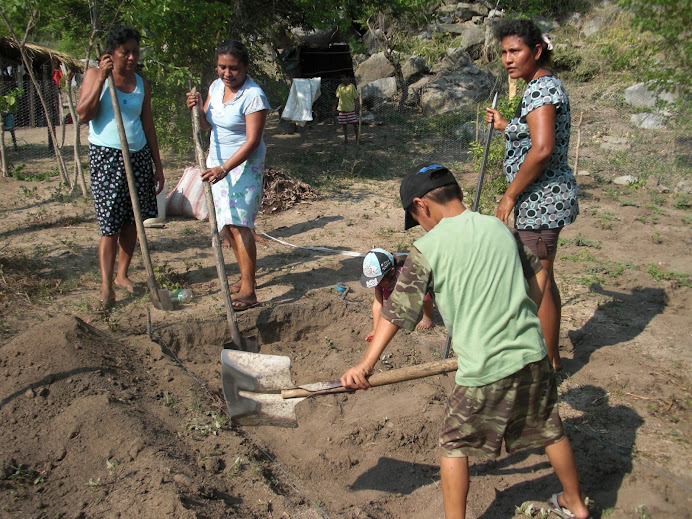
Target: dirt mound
{"x": 84, "y": 434}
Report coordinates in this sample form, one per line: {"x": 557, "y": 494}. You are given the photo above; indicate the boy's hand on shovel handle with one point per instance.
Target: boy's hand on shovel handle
{"x": 356, "y": 377}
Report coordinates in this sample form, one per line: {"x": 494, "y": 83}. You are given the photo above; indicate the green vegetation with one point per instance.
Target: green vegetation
{"x": 678, "y": 278}
{"x": 580, "y": 241}
{"x": 667, "y": 23}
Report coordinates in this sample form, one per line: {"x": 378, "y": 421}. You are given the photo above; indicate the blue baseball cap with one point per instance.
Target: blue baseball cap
{"x": 376, "y": 265}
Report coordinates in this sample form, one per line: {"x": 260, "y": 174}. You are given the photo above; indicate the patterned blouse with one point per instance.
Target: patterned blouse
{"x": 551, "y": 200}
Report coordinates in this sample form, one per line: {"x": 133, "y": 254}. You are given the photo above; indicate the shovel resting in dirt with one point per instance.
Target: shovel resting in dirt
{"x": 160, "y": 298}
{"x": 259, "y": 391}
{"x": 238, "y": 342}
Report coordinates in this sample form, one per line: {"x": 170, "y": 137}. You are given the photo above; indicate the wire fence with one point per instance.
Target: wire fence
{"x": 392, "y": 137}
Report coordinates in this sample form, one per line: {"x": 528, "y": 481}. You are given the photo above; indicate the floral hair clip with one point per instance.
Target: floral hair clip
{"x": 548, "y": 43}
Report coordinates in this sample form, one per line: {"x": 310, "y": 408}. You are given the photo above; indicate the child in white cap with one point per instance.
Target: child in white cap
{"x": 380, "y": 271}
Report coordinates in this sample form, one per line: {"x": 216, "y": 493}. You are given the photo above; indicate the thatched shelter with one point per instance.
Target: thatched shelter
{"x": 44, "y": 63}
{"x": 40, "y": 56}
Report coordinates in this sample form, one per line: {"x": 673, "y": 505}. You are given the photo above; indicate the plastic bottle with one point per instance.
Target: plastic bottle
{"x": 181, "y": 295}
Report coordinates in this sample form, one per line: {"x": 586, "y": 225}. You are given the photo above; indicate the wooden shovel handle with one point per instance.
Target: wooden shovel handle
{"x": 385, "y": 378}
{"x": 134, "y": 197}
{"x": 216, "y": 245}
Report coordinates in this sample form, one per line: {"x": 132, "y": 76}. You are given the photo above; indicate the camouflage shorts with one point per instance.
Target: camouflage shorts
{"x": 520, "y": 409}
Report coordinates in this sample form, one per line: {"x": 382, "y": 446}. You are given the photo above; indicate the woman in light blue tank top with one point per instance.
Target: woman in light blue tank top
{"x": 235, "y": 112}
{"x": 109, "y": 185}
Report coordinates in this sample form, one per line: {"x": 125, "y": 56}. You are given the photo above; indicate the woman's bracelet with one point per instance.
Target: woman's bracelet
{"x": 225, "y": 171}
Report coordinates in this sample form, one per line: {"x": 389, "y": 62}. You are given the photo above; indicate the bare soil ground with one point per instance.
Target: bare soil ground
{"x": 101, "y": 418}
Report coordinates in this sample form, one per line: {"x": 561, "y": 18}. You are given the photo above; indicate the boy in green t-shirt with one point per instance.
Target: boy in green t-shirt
{"x": 487, "y": 287}
{"x": 346, "y": 95}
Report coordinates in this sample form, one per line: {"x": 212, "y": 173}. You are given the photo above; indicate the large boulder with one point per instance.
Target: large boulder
{"x": 458, "y": 81}
{"x": 416, "y": 89}
{"x": 472, "y": 36}
{"x": 640, "y": 94}
{"x": 462, "y": 11}
{"x": 648, "y": 121}
{"x": 599, "y": 19}
{"x": 375, "y": 67}
{"x": 379, "y": 91}
{"x": 413, "y": 69}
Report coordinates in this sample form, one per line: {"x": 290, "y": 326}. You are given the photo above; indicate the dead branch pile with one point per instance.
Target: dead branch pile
{"x": 281, "y": 192}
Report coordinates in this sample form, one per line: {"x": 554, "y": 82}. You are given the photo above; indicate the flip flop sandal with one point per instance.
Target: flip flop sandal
{"x": 555, "y": 508}
{"x": 240, "y": 305}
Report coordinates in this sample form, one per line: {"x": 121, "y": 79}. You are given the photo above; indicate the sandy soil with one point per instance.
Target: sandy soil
{"x": 102, "y": 418}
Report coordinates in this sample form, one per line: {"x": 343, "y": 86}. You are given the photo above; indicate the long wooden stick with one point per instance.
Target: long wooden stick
{"x": 215, "y": 242}
{"x": 385, "y": 378}
{"x": 576, "y": 157}
{"x": 488, "y": 138}
{"x": 79, "y": 174}
{"x": 151, "y": 279}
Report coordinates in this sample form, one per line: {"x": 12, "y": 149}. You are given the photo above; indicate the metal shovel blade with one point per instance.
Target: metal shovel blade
{"x": 252, "y": 384}
{"x": 164, "y": 303}
{"x": 259, "y": 391}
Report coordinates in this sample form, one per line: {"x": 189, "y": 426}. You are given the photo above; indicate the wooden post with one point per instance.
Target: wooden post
{"x": 3, "y": 157}
{"x": 512, "y": 88}
{"x": 576, "y": 157}
{"x": 32, "y": 103}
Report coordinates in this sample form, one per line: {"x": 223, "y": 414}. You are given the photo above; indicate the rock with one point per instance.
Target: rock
{"x": 545, "y": 24}
{"x": 458, "y": 82}
{"x": 378, "y": 91}
{"x": 648, "y": 121}
{"x": 370, "y": 41}
{"x": 662, "y": 189}
{"x": 684, "y": 187}
{"x": 640, "y": 95}
{"x": 625, "y": 180}
{"x": 368, "y": 118}
{"x": 425, "y": 34}
{"x": 375, "y": 67}
{"x": 574, "y": 19}
{"x": 463, "y": 11}
{"x": 415, "y": 90}
{"x": 598, "y": 19}
{"x": 413, "y": 69}
{"x": 615, "y": 143}
{"x": 583, "y": 173}
{"x": 318, "y": 38}
{"x": 472, "y": 36}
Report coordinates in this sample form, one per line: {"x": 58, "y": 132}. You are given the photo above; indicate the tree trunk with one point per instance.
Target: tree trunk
{"x": 3, "y": 152}
{"x": 79, "y": 174}
{"x": 401, "y": 85}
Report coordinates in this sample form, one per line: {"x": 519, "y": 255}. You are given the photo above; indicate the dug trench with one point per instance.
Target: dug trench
{"x": 137, "y": 427}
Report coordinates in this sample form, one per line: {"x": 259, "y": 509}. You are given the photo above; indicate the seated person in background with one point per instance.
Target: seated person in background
{"x": 381, "y": 269}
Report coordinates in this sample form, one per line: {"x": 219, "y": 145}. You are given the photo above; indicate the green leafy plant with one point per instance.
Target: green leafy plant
{"x": 8, "y": 101}
{"x": 679, "y": 278}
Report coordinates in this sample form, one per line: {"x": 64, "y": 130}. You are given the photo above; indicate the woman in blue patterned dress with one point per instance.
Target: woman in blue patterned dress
{"x": 542, "y": 191}
{"x": 236, "y": 112}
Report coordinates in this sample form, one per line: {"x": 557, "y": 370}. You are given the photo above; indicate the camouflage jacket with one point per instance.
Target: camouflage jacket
{"x": 404, "y": 308}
